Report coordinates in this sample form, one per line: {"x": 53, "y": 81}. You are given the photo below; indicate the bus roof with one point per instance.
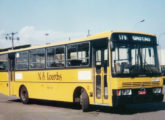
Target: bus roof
{"x": 89, "y": 38}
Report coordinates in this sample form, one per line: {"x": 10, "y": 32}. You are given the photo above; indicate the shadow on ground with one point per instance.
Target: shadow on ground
{"x": 128, "y": 110}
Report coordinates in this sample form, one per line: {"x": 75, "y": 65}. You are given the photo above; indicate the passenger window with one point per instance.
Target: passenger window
{"x": 55, "y": 57}
{"x": 50, "y": 57}
{"x": 21, "y": 60}
{"x": 78, "y": 54}
{"x": 60, "y": 57}
{"x": 3, "y": 62}
{"x": 37, "y": 59}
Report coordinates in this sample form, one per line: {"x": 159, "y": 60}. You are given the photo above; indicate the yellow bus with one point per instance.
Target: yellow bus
{"x": 112, "y": 69}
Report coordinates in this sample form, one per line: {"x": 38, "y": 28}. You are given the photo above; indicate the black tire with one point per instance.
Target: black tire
{"x": 84, "y": 101}
{"x": 24, "y": 96}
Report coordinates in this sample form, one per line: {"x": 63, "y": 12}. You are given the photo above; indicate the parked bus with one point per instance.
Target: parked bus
{"x": 111, "y": 69}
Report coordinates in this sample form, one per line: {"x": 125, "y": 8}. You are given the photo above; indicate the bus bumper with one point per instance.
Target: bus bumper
{"x": 133, "y": 99}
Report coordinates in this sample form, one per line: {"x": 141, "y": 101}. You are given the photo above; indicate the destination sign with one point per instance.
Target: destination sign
{"x": 141, "y": 38}
{"x": 133, "y": 37}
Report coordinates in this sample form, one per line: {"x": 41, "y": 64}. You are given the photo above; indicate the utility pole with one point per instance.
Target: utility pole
{"x": 88, "y": 33}
{"x": 46, "y": 36}
{"x": 11, "y": 37}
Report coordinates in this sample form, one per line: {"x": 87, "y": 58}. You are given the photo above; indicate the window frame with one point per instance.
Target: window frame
{"x": 30, "y": 68}
{"x": 64, "y": 46}
{"x": 55, "y": 47}
{"x": 27, "y": 61}
{"x": 89, "y": 53}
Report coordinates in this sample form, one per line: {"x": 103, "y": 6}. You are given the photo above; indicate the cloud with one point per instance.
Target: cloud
{"x": 30, "y": 35}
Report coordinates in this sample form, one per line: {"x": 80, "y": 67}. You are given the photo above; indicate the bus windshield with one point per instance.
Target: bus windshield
{"x": 134, "y": 55}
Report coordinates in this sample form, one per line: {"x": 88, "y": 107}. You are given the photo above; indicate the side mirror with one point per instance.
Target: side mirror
{"x": 112, "y": 46}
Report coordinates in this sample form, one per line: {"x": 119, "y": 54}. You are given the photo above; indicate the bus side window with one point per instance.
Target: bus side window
{"x": 50, "y": 60}
{"x": 37, "y": 59}
{"x": 60, "y": 57}
{"x": 3, "y": 62}
{"x": 78, "y": 54}
{"x": 55, "y": 57}
{"x": 72, "y": 55}
{"x": 21, "y": 60}
{"x": 83, "y": 53}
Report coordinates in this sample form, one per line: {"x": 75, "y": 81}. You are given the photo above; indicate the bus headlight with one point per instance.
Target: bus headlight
{"x": 124, "y": 92}
{"x": 157, "y": 90}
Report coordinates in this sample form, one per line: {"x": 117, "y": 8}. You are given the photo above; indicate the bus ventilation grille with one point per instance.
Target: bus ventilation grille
{"x": 140, "y": 84}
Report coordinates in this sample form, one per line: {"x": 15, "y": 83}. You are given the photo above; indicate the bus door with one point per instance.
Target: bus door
{"x": 100, "y": 64}
{"x": 11, "y": 72}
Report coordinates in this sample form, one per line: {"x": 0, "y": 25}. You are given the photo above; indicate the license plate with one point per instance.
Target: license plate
{"x": 142, "y": 92}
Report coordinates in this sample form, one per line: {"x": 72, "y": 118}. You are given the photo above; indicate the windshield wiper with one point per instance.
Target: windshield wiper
{"x": 150, "y": 68}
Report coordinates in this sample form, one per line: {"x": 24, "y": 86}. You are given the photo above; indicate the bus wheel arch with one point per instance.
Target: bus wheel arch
{"x": 23, "y": 94}
{"x": 80, "y": 96}
{"x": 77, "y": 94}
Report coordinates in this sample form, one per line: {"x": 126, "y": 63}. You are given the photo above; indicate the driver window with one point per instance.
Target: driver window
{"x": 120, "y": 60}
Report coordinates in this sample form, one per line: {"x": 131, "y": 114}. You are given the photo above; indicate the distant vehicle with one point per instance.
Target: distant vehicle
{"x": 110, "y": 69}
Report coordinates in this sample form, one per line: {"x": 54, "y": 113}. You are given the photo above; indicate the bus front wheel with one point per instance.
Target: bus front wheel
{"x": 84, "y": 101}
{"x": 24, "y": 97}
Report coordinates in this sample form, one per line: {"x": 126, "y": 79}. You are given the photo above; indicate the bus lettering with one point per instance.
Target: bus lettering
{"x": 41, "y": 75}
{"x": 56, "y": 76}
{"x": 48, "y": 76}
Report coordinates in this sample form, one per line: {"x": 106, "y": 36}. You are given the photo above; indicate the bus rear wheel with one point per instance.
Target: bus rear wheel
{"x": 84, "y": 101}
{"x": 24, "y": 97}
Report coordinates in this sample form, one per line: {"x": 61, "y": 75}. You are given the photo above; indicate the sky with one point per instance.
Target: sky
{"x": 64, "y": 19}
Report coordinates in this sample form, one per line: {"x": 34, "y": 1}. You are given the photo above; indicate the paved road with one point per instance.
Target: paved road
{"x": 12, "y": 109}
